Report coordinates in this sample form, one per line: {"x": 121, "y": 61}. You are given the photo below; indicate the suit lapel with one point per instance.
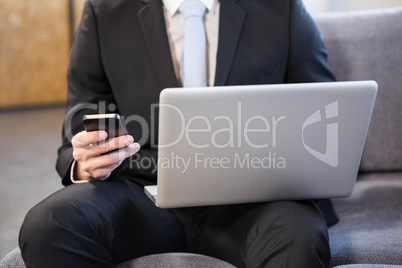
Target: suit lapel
{"x": 153, "y": 28}
{"x": 231, "y": 20}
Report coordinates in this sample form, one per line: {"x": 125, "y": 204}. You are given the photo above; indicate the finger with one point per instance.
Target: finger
{"x": 100, "y": 167}
{"x": 120, "y": 142}
{"x": 114, "y": 144}
{"x": 104, "y": 160}
{"x": 121, "y": 154}
{"x": 84, "y": 139}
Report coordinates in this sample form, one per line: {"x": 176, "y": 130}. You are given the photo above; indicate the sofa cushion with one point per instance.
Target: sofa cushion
{"x": 175, "y": 260}
{"x": 167, "y": 260}
{"x": 370, "y": 226}
{"x": 369, "y": 266}
{"x": 367, "y": 45}
{"x": 13, "y": 260}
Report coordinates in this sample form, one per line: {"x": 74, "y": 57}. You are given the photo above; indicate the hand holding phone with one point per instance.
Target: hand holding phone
{"x": 97, "y": 156}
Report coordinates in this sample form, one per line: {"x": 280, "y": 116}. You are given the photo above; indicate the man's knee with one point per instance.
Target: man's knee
{"x": 288, "y": 232}
{"x": 302, "y": 218}
{"x": 63, "y": 222}
{"x": 265, "y": 234}
{"x": 60, "y": 211}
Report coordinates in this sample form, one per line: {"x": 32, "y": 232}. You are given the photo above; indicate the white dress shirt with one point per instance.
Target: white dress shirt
{"x": 175, "y": 27}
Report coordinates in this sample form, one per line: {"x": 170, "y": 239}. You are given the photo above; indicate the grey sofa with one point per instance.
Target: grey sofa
{"x": 364, "y": 45}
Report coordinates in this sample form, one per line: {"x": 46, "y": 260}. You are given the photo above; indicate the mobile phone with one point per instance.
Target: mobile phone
{"x": 111, "y": 123}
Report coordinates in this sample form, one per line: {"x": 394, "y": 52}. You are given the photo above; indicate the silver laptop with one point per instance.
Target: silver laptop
{"x": 242, "y": 144}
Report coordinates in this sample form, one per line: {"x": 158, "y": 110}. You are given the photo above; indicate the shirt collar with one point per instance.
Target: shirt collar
{"x": 173, "y": 5}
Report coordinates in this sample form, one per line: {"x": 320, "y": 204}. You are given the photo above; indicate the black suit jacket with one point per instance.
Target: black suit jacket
{"x": 121, "y": 56}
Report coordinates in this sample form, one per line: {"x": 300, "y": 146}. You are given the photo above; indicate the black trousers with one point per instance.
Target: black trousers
{"x": 101, "y": 224}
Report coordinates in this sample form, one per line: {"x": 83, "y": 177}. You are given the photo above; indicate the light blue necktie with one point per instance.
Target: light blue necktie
{"x": 193, "y": 71}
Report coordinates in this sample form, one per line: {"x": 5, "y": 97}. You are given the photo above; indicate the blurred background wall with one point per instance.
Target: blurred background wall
{"x": 35, "y": 38}
{"x": 36, "y": 35}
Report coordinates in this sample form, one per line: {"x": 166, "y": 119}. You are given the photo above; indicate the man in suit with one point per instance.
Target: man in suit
{"x": 125, "y": 52}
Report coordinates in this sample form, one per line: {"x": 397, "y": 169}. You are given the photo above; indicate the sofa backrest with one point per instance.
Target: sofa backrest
{"x": 367, "y": 45}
